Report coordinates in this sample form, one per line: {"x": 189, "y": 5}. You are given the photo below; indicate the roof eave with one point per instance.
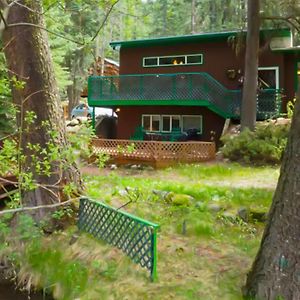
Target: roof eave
{"x": 217, "y": 36}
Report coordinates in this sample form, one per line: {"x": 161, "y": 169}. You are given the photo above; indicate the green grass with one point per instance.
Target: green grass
{"x": 209, "y": 261}
{"x": 221, "y": 171}
{"x": 102, "y": 187}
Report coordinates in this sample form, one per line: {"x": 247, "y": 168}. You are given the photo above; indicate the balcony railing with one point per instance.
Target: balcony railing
{"x": 190, "y": 89}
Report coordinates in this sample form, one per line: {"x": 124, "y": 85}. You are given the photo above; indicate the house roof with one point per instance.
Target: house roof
{"x": 113, "y": 62}
{"x": 295, "y": 49}
{"x": 201, "y": 37}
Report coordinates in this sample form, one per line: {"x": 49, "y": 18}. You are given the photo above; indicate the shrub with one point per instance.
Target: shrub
{"x": 263, "y": 146}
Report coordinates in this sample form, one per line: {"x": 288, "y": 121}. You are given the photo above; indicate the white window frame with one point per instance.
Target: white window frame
{"x": 170, "y": 116}
{"x": 151, "y": 117}
{"x": 173, "y": 56}
{"x": 276, "y": 68}
{"x": 193, "y": 116}
{"x": 180, "y": 117}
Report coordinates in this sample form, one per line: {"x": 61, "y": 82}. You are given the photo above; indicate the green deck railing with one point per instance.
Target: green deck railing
{"x": 187, "y": 89}
{"x": 136, "y": 237}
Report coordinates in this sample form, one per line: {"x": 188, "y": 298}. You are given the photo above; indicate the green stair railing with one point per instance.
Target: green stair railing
{"x": 136, "y": 237}
{"x": 175, "y": 89}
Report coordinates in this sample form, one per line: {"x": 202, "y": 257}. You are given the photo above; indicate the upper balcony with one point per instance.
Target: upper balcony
{"x": 183, "y": 89}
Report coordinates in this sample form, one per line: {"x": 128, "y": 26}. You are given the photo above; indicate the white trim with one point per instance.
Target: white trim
{"x": 185, "y": 56}
{"x": 180, "y": 117}
{"x": 276, "y": 68}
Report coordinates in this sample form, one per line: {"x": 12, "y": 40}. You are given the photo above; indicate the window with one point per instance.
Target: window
{"x": 167, "y": 123}
{"x": 192, "y": 122}
{"x": 173, "y": 60}
{"x": 155, "y": 123}
{"x": 170, "y": 122}
{"x": 151, "y": 122}
{"x": 268, "y": 77}
{"x": 150, "y": 61}
{"x": 146, "y": 123}
{"x": 194, "y": 59}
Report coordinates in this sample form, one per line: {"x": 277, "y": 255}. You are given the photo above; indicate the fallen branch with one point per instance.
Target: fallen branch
{"x": 30, "y": 208}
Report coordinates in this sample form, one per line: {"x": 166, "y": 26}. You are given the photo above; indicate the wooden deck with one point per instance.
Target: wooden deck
{"x": 155, "y": 153}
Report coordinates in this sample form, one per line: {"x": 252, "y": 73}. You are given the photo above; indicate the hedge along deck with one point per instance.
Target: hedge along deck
{"x": 136, "y": 237}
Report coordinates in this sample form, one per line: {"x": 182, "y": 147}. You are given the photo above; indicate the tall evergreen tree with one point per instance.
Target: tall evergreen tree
{"x": 248, "y": 115}
{"x": 28, "y": 58}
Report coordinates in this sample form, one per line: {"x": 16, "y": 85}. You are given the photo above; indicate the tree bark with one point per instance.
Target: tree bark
{"x": 275, "y": 273}
{"x": 29, "y": 60}
{"x": 193, "y": 17}
{"x": 248, "y": 115}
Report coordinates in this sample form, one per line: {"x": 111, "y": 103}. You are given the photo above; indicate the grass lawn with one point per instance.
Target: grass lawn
{"x": 211, "y": 259}
{"x": 207, "y": 261}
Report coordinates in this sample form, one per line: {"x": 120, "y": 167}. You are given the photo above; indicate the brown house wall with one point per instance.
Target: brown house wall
{"x": 290, "y": 75}
{"x": 130, "y": 117}
{"x": 218, "y": 57}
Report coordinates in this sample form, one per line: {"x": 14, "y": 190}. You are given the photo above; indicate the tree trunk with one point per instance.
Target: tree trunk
{"x": 29, "y": 60}
{"x": 275, "y": 273}
{"x": 248, "y": 116}
{"x": 73, "y": 95}
{"x": 193, "y": 17}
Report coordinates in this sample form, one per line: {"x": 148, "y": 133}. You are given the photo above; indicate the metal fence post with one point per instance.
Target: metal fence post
{"x": 154, "y": 245}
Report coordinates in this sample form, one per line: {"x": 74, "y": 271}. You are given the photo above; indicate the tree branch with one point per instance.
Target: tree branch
{"x": 288, "y": 19}
{"x": 43, "y": 28}
{"x": 30, "y": 208}
{"x": 3, "y": 14}
{"x": 105, "y": 19}
{"x": 25, "y": 6}
{"x": 3, "y": 19}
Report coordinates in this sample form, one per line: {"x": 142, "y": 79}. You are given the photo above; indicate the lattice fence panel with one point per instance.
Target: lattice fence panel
{"x": 156, "y": 150}
{"x": 134, "y": 236}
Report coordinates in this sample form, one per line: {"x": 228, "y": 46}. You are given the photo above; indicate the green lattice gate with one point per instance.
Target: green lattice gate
{"x": 134, "y": 236}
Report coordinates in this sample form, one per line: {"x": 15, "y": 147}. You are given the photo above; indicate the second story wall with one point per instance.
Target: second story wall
{"x": 218, "y": 59}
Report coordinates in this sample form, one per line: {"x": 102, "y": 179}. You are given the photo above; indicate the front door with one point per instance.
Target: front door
{"x": 268, "y": 83}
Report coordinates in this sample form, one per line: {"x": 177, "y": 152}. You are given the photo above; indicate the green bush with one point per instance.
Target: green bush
{"x": 263, "y": 146}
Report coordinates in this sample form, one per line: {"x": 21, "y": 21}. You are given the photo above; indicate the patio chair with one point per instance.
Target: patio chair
{"x": 139, "y": 133}
{"x": 175, "y": 134}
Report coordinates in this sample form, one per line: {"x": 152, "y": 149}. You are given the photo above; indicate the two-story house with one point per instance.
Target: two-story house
{"x": 192, "y": 84}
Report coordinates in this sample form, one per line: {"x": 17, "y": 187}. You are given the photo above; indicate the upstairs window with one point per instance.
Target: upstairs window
{"x": 150, "y": 61}
{"x": 173, "y": 60}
